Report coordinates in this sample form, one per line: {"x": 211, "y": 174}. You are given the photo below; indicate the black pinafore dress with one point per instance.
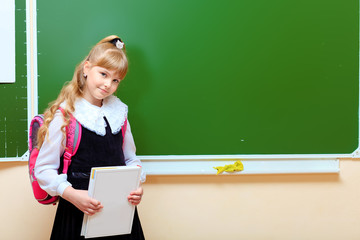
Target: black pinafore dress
{"x": 94, "y": 151}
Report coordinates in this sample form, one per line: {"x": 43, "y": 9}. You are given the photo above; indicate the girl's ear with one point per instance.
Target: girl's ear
{"x": 87, "y": 66}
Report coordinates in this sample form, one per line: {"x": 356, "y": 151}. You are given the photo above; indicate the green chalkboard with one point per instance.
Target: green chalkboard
{"x": 219, "y": 77}
{"x": 13, "y": 96}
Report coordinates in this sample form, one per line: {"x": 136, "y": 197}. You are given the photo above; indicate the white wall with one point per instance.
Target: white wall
{"x": 308, "y": 206}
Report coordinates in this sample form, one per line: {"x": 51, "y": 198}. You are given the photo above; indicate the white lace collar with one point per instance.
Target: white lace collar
{"x": 92, "y": 117}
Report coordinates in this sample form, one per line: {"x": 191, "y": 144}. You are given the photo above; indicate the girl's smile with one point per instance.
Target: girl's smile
{"x": 103, "y": 90}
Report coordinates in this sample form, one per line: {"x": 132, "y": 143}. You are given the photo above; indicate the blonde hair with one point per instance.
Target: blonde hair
{"x": 104, "y": 54}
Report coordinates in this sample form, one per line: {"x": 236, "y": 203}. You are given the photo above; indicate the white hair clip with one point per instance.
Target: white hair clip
{"x": 119, "y": 44}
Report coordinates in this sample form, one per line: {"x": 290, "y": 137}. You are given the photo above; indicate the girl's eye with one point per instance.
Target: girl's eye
{"x": 116, "y": 80}
{"x": 103, "y": 74}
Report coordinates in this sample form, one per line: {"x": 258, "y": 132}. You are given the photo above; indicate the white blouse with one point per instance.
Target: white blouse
{"x": 90, "y": 117}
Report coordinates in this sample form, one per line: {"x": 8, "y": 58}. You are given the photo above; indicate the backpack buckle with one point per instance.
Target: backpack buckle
{"x": 67, "y": 155}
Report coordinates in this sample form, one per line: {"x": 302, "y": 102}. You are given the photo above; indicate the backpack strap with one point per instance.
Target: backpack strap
{"x": 124, "y": 128}
{"x": 73, "y": 137}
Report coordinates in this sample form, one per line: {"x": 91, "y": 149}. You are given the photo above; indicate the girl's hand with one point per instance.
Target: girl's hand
{"x": 82, "y": 201}
{"x": 135, "y": 196}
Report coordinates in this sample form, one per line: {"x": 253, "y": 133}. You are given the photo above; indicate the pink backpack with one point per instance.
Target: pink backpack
{"x": 73, "y": 136}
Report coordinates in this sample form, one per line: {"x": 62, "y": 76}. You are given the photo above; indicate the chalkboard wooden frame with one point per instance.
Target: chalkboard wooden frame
{"x": 212, "y": 159}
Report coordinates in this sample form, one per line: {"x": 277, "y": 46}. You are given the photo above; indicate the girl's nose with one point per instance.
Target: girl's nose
{"x": 107, "y": 83}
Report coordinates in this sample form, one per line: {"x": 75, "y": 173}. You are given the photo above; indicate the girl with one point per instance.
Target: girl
{"x": 89, "y": 98}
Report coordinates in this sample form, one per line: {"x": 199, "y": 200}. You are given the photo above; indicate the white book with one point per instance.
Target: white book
{"x": 111, "y": 186}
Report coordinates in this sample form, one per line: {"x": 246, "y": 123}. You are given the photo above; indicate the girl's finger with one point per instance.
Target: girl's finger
{"x": 134, "y": 197}
{"x": 135, "y": 202}
{"x": 88, "y": 213}
{"x": 96, "y": 207}
{"x": 95, "y": 202}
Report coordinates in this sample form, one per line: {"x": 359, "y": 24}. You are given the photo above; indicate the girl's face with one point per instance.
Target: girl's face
{"x": 99, "y": 84}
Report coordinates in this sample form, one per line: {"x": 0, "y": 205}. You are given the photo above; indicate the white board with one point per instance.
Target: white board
{"x": 7, "y": 41}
